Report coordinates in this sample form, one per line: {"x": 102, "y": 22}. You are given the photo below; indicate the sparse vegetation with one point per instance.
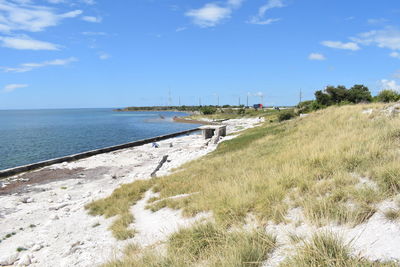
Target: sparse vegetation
{"x": 118, "y": 204}
{"x": 19, "y": 249}
{"x": 327, "y": 250}
{"x": 96, "y": 225}
{"x": 392, "y": 214}
{"x": 315, "y": 164}
{"x": 206, "y": 244}
{"x": 63, "y": 187}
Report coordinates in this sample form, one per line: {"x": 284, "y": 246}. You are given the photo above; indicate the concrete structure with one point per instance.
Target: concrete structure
{"x": 209, "y": 131}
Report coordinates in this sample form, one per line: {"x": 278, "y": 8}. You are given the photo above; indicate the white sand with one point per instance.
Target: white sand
{"x": 65, "y": 235}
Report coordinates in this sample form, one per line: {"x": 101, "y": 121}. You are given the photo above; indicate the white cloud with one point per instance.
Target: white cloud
{"x": 180, "y": 29}
{"x": 92, "y": 19}
{"x": 212, "y": 14}
{"x": 316, "y": 56}
{"x": 23, "y": 43}
{"x": 88, "y": 2}
{"x": 260, "y": 17}
{"x": 389, "y": 84}
{"x": 29, "y": 17}
{"x": 11, "y": 87}
{"x": 389, "y": 37}
{"x": 264, "y": 22}
{"x": 209, "y": 15}
{"x": 376, "y": 21}
{"x": 104, "y": 56}
{"x": 341, "y": 45}
{"x": 94, "y": 33}
{"x": 31, "y": 66}
{"x": 395, "y": 55}
{"x": 235, "y": 3}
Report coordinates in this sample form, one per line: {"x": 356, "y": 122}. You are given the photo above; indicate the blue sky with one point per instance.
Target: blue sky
{"x": 99, "y": 53}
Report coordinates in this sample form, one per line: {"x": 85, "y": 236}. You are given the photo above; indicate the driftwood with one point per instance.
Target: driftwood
{"x": 164, "y": 159}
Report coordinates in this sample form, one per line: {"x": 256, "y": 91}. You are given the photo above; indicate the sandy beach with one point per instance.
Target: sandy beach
{"x": 44, "y": 223}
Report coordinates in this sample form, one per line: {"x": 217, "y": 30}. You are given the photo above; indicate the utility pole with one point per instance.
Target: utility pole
{"x": 301, "y": 96}
{"x": 239, "y": 101}
{"x": 247, "y": 100}
{"x": 199, "y": 101}
{"x": 217, "y": 100}
{"x": 169, "y": 97}
{"x": 179, "y": 101}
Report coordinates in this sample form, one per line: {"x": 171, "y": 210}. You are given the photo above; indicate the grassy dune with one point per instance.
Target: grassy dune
{"x": 315, "y": 163}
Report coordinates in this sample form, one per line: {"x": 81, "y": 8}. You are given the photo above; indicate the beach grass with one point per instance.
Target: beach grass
{"x": 328, "y": 250}
{"x": 205, "y": 244}
{"x": 119, "y": 204}
{"x": 314, "y": 163}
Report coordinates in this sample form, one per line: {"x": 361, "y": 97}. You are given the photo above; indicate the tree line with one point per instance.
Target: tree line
{"x": 340, "y": 95}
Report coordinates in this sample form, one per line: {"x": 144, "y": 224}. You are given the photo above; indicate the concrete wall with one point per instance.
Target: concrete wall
{"x": 34, "y": 166}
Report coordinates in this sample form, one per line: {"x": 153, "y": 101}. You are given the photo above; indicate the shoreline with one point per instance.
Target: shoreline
{"x": 68, "y": 158}
{"x": 47, "y": 221}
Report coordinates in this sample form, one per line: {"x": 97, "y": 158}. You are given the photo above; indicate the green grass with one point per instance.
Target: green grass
{"x": 206, "y": 244}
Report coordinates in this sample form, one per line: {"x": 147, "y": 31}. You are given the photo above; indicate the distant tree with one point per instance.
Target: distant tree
{"x": 359, "y": 93}
{"x": 337, "y": 94}
{"x": 388, "y": 96}
{"x": 323, "y": 98}
{"x": 208, "y": 110}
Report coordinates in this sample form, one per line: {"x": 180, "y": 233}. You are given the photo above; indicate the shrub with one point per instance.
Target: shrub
{"x": 388, "y": 96}
{"x": 241, "y": 111}
{"x": 309, "y": 106}
{"x": 208, "y": 110}
{"x": 286, "y": 115}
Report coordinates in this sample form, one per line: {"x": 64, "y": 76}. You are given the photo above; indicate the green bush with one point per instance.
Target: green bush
{"x": 388, "y": 96}
{"x": 309, "y": 106}
{"x": 241, "y": 111}
{"x": 208, "y": 110}
{"x": 286, "y": 115}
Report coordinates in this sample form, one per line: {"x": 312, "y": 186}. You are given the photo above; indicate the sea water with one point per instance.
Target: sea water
{"x": 29, "y": 136}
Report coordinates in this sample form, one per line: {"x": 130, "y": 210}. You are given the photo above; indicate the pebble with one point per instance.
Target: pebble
{"x": 67, "y": 197}
{"x": 54, "y": 217}
{"x": 27, "y": 200}
{"x": 25, "y": 260}
{"x": 36, "y": 247}
{"x": 58, "y": 206}
{"x": 9, "y": 260}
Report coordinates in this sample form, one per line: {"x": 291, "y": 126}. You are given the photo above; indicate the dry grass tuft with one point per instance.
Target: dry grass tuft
{"x": 207, "y": 245}
{"x": 118, "y": 204}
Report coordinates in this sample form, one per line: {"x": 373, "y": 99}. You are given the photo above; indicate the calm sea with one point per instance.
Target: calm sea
{"x": 28, "y": 136}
